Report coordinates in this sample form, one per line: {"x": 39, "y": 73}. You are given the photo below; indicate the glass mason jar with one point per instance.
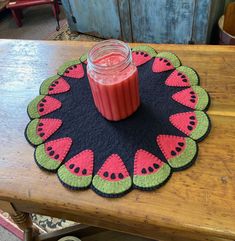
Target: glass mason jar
{"x": 113, "y": 79}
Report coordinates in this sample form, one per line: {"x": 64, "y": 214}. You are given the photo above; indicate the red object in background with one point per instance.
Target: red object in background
{"x": 17, "y": 6}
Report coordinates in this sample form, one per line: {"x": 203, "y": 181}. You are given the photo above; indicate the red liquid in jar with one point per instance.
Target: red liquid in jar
{"x": 115, "y": 94}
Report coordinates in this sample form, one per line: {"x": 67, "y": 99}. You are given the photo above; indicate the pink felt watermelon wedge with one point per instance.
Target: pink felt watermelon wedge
{"x": 42, "y": 105}
{"x": 149, "y": 171}
{"x": 182, "y": 77}
{"x": 73, "y": 69}
{"x": 195, "y": 124}
{"x": 194, "y": 97}
{"x": 54, "y": 85}
{"x": 178, "y": 151}
{"x": 113, "y": 178}
{"x": 142, "y": 54}
{"x": 39, "y": 130}
{"x": 77, "y": 172}
{"x": 50, "y": 154}
{"x": 165, "y": 61}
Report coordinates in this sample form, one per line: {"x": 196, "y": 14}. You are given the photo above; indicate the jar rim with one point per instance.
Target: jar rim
{"x": 112, "y": 45}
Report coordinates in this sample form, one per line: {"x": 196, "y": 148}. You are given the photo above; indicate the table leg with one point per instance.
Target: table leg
{"x": 17, "y": 16}
{"x": 55, "y": 8}
{"x": 22, "y": 220}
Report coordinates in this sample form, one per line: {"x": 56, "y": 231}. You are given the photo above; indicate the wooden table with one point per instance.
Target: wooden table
{"x": 198, "y": 203}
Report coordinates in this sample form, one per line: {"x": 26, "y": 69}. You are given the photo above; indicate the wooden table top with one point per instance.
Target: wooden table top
{"x": 198, "y": 202}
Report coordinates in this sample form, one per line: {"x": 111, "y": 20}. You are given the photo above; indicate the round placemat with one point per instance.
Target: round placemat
{"x": 72, "y": 139}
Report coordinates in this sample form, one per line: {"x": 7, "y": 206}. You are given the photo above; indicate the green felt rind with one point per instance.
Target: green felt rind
{"x": 83, "y": 58}
{"x": 190, "y": 73}
{"x": 73, "y": 181}
{"x": 46, "y": 84}
{"x": 145, "y": 48}
{"x": 202, "y": 125}
{"x": 186, "y": 156}
{"x": 66, "y": 65}
{"x": 109, "y": 187}
{"x": 33, "y": 107}
{"x": 170, "y": 56}
{"x": 44, "y": 161}
{"x": 203, "y": 98}
{"x": 152, "y": 180}
{"x": 31, "y": 133}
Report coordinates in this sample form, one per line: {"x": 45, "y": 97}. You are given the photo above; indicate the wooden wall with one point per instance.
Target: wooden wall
{"x": 156, "y": 21}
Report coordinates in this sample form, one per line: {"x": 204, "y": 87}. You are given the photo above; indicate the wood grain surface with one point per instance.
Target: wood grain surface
{"x": 198, "y": 203}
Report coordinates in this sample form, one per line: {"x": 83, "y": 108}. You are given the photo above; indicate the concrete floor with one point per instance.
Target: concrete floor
{"x": 7, "y": 236}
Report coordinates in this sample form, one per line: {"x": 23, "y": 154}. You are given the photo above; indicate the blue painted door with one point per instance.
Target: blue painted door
{"x": 156, "y": 21}
{"x": 95, "y": 17}
{"x": 162, "y": 21}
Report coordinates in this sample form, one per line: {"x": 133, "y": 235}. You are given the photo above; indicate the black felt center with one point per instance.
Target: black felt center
{"x": 89, "y": 130}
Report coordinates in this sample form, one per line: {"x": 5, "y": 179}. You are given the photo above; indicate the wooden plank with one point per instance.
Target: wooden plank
{"x": 98, "y": 18}
{"x": 125, "y": 19}
{"x": 196, "y": 203}
{"x": 162, "y": 21}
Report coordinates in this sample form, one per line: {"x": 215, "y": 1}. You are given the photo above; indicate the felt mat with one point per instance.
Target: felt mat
{"x": 73, "y": 140}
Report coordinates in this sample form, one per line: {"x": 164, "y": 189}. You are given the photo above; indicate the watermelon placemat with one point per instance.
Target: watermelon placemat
{"x": 85, "y": 150}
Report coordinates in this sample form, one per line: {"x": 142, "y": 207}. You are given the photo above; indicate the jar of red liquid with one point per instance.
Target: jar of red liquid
{"x": 113, "y": 79}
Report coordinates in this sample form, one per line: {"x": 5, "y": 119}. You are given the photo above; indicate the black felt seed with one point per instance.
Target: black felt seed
{"x": 41, "y": 104}
{"x": 67, "y": 71}
{"x": 165, "y": 60}
{"x": 40, "y": 124}
{"x": 192, "y": 123}
{"x": 39, "y": 129}
{"x": 155, "y": 165}
{"x": 192, "y": 92}
{"x": 143, "y": 171}
{"x": 84, "y": 171}
{"x": 76, "y": 170}
{"x": 137, "y": 52}
{"x": 179, "y": 74}
{"x": 150, "y": 169}
{"x": 42, "y": 134}
{"x": 190, "y": 127}
{"x": 113, "y": 176}
{"x": 41, "y": 109}
{"x": 49, "y": 148}
{"x": 178, "y": 149}
{"x": 56, "y": 82}
{"x": 75, "y": 66}
{"x": 173, "y": 153}
{"x": 160, "y": 59}
{"x": 183, "y": 76}
{"x": 120, "y": 175}
{"x": 192, "y": 117}
{"x": 106, "y": 174}
{"x": 192, "y": 100}
{"x": 181, "y": 144}
{"x": 184, "y": 80}
{"x": 53, "y": 85}
{"x": 71, "y": 166}
{"x": 44, "y": 100}
{"x": 51, "y": 89}
{"x": 51, "y": 153}
{"x": 71, "y": 68}
{"x": 193, "y": 96}
{"x": 168, "y": 64}
{"x": 146, "y": 55}
{"x": 142, "y": 53}
{"x": 56, "y": 156}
